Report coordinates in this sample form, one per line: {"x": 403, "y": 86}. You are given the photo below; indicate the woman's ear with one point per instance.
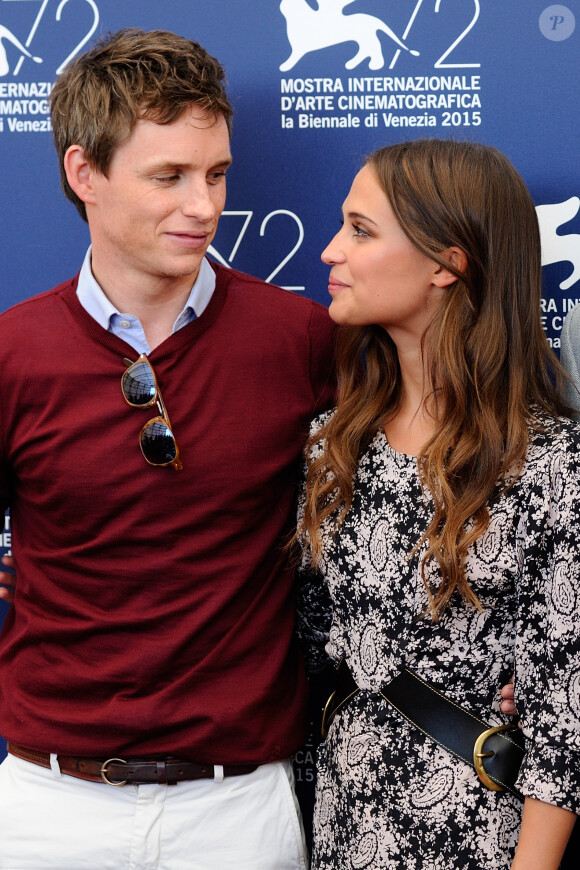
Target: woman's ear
{"x": 457, "y": 259}
{"x": 79, "y": 173}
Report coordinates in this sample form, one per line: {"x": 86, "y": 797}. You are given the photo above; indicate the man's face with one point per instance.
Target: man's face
{"x": 154, "y": 215}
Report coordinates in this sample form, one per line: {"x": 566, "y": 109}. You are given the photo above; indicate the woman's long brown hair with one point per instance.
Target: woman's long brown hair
{"x": 492, "y": 369}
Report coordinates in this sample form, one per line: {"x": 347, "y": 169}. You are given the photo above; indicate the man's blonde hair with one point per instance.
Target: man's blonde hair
{"x": 129, "y": 76}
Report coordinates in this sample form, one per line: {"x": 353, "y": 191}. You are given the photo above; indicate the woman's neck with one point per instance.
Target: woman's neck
{"x": 414, "y": 422}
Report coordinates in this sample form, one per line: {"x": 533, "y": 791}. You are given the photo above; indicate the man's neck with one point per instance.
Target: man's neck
{"x": 156, "y": 302}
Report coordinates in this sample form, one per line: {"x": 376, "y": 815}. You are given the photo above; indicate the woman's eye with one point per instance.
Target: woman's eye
{"x": 358, "y": 231}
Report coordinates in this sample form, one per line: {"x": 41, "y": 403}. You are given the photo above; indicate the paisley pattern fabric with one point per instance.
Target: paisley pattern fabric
{"x": 387, "y": 795}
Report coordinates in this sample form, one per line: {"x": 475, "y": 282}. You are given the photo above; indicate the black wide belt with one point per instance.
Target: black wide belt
{"x": 495, "y": 753}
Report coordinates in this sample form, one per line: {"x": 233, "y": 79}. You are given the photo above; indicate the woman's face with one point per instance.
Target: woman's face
{"x": 377, "y": 275}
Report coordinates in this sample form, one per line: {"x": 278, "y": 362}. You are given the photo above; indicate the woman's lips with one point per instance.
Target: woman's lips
{"x": 334, "y": 285}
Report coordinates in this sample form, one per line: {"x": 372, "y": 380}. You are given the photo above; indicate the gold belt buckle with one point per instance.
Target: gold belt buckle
{"x": 104, "y": 776}
{"x": 325, "y": 724}
{"x": 479, "y": 755}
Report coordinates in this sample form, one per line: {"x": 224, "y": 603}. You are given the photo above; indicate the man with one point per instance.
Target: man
{"x": 570, "y": 357}
{"x": 150, "y": 688}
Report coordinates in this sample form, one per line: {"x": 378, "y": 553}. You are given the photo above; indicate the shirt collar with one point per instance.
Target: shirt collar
{"x": 94, "y": 301}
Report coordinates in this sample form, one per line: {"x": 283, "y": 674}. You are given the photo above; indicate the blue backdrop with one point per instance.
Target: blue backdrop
{"x": 315, "y": 86}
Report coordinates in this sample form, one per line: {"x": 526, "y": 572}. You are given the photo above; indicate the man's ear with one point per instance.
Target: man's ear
{"x": 457, "y": 259}
{"x": 79, "y": 173}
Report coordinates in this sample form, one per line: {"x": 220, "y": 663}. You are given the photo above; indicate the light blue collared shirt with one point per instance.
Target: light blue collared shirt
{"x": 128, "y": 327}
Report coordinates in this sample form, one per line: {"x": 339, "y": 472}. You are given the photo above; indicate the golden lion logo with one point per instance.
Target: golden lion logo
{"x": 557, "y": 248}
{"x": 7, "y": 35}
{"x": 312, "y": 29}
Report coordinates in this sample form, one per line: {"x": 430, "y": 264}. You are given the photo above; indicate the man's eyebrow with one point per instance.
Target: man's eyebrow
{"x": 227, "y": 161}
{"x": 177, "y": 164}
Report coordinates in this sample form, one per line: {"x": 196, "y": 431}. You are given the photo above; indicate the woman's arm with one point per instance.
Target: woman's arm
{"x": 543, "y": 836}
{"x": 547, "y": 656}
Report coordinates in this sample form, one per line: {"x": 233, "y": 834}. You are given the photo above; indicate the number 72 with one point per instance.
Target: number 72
{"x": 247, "y": 215}
{"x": 40, "y": 16}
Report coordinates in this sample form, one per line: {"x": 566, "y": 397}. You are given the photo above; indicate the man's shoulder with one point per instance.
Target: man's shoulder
{"x": 39, "y": 304}
{"x": 572, "y": 318}
{"x": 260, "y": 292}
{"x": 571, "y": 333}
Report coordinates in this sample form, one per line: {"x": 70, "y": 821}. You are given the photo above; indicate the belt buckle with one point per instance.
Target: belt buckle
{"x": 327, "y": 716}
{"x": 103, "y": 771}
{"x": 479, "y": 755}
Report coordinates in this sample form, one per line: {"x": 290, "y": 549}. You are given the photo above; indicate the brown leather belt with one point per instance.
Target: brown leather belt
{"x": 133, "y": 771}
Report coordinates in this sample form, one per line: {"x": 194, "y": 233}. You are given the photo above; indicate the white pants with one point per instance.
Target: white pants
{"x": 48, "y": 820}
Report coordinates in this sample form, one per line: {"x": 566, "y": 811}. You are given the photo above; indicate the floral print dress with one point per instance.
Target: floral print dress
{"x": 387, "y": 795}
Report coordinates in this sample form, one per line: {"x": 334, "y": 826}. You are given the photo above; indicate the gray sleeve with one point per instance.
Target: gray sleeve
{"x": 570, "y": 356}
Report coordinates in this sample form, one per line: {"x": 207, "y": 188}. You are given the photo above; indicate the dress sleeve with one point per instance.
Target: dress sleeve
{"x": 313, "y": 619}
{"x": 313, "y": 604}
{"x": 547, "y": 654}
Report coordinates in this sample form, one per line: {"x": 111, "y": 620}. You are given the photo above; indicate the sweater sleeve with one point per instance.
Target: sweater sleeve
{"x": 547, "y": 672}
{"x": 4, "y": 473}
{"x": 321, "y": 334}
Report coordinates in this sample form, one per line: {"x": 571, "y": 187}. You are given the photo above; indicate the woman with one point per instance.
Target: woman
{"x": 442, "y": 509}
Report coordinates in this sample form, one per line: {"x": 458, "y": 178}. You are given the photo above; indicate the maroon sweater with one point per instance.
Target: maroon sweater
{"x": 154, "y": 610}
